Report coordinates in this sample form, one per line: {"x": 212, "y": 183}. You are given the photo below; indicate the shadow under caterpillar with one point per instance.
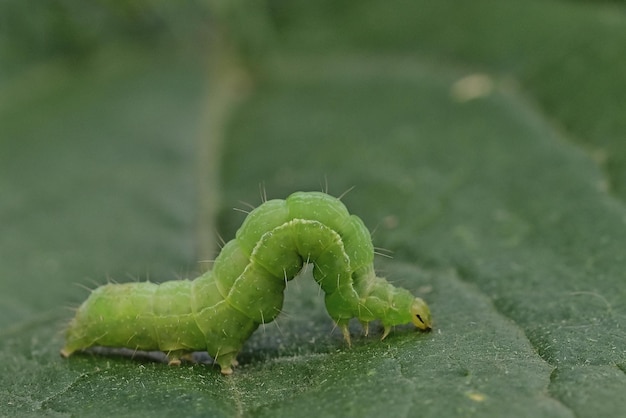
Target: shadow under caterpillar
{"x": 219, "y": 310}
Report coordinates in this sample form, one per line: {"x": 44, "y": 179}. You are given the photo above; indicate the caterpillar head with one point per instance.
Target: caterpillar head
{"x": 420, "y": 314}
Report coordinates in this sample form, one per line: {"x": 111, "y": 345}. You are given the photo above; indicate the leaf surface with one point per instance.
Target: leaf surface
{"x": 483, "y": 154}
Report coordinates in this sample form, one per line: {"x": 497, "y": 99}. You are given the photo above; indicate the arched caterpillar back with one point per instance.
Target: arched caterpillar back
{"x": 219, "y": 310}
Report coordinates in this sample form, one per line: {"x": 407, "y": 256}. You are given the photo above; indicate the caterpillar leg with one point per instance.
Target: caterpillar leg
{"x": 366, "y": 327}
{"x": 174, "y": 357}
{"x": 343, "y": 325}
{"x": 386, "y": 332}
{"x": 226, "y": 362}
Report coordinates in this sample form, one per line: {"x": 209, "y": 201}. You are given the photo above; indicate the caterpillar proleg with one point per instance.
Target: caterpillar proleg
{"x": 219, "y": 310}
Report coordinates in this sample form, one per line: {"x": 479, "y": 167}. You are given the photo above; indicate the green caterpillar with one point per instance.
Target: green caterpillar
{"x": 219, "y": 310}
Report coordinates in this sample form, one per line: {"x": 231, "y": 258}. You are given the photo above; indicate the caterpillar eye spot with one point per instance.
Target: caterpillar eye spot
{"x": 218, "y": 311}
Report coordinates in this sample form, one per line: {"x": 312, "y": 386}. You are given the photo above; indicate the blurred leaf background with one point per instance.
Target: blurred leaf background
{"x": 485, "y": 145}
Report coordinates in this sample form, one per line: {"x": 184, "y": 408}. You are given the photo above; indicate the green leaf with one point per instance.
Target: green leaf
{"x": 472, "y": 155}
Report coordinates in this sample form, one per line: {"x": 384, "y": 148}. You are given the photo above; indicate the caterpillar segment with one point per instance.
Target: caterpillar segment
{"x": 218, "y": 311}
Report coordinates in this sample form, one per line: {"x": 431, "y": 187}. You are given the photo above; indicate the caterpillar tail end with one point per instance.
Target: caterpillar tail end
{"x": 65, "y": 352}
{"x": 70, "y": 348}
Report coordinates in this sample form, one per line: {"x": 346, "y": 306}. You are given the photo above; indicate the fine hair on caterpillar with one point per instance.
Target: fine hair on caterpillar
{"x": 219, "y": 310}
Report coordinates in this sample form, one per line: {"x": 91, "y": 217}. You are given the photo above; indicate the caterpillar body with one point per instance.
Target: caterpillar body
{"x": 218, "y": 311}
